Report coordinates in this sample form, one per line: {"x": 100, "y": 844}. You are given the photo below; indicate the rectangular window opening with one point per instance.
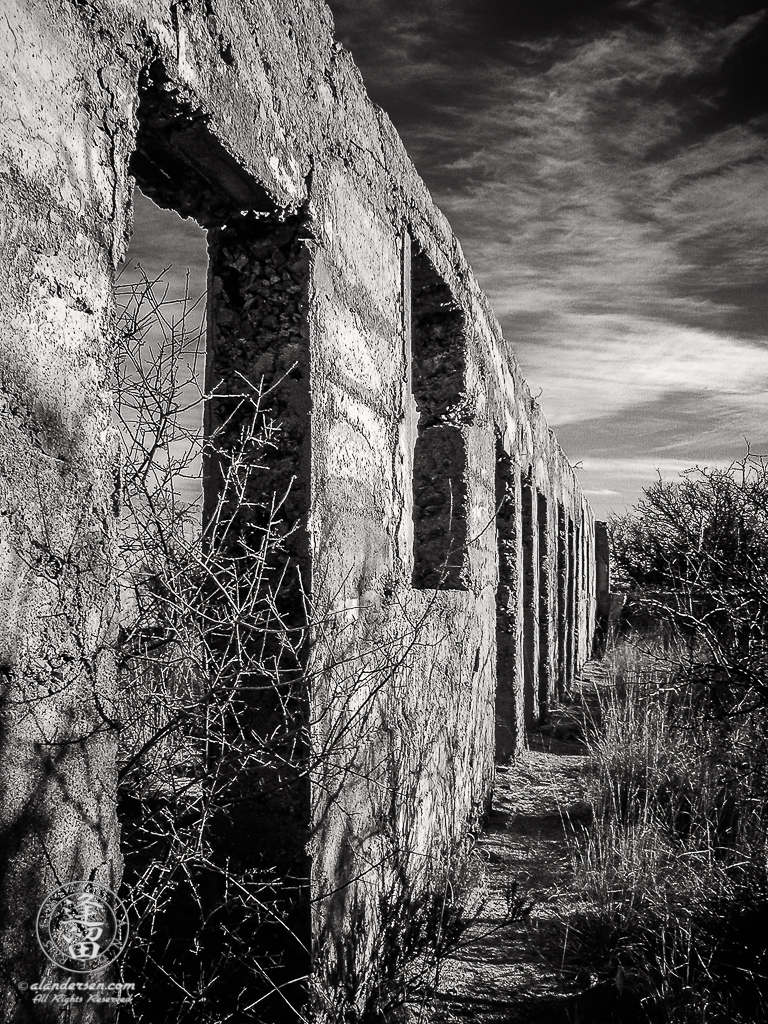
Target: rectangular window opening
{"x": 186, "y": 183}
{"x": 602, "y": 587}
{"x": 440, "y": 456}
{"x": 216, "y": 649}
{"x": 161, "y": 297}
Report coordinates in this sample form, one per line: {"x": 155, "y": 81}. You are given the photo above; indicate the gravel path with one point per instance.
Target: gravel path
{"x": 512, "y": 973}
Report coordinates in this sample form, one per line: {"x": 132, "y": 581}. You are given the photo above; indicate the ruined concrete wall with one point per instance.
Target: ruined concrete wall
{"x": 62, "y": 160}
{"x": 229, "y": 109}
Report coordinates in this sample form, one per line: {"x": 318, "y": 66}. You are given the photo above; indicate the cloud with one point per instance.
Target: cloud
{"x": 603, "y": 165}
{"x": 614, "y": 485}
{"x": 559, "y": 145}
{"x": 639, "y": 469}
{"x": 607, "y": 184}
{"x": 606, "y": 363}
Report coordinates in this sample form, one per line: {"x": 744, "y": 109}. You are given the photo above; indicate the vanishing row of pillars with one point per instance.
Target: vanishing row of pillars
{"x": 543, "y": 548}
{"x": 543, "y": 556}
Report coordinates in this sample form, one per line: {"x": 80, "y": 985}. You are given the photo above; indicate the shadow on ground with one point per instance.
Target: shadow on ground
{"x": 516, "y": 972}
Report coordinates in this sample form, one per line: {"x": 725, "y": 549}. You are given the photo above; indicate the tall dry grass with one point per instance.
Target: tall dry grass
{"x": 671, "y": 871}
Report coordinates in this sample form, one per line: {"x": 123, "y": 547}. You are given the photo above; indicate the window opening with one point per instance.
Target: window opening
{"x": 161, "y": 303}
{"x": 570, "y": 649}
{"x": 578, "y": 595}
{"x": 440, "y": 460}
{"x": 562, "y": 598}
{"x": 213, "y": 694}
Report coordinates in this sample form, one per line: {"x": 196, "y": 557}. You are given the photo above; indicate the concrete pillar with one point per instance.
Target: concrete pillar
{"x": 530, "y": 601}
{"x": 510, "y": 729}
{"x": 543, "y": 692}
{"x": 59, "y": 491}
{"x": 562, "y": 600}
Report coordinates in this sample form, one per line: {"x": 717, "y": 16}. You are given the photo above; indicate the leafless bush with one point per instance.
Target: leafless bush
{"x": 673, "y": 867}
{"x": 671, "y": 870}
{"x": 214, "y": 732}
{"x": 216, "y": 759}
{"x": 694, "y": 555}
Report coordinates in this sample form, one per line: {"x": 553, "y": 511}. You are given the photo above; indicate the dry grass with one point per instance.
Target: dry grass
{"x": 672, "y": 869}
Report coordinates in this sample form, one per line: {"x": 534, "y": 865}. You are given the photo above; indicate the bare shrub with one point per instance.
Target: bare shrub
{"x": 213, "y": 731}
{"x": 694, "y": 554}
{"x": 673, "y": 869}
{"x": 216, "y": 760}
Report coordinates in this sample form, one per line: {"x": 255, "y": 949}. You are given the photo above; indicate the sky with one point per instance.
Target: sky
{"x": 168, "y": 255}
{"x": 603, "y": 164}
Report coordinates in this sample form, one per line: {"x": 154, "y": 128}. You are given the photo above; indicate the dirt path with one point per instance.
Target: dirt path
{"x": 512, "y": 973}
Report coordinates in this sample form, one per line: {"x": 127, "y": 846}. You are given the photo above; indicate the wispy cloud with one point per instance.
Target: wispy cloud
{"x": 612, "y": 484}
{"x": 606, "y": 363}
{"x": 604, "y": 167}
{"x": 647, "y": 469}
{"x": 603, "y": 164}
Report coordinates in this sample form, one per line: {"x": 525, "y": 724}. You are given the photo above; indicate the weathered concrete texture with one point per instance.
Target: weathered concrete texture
{"x": 332, "y": 267}
{"x": 57, "y": 513}
{"x": 439, "y": 509}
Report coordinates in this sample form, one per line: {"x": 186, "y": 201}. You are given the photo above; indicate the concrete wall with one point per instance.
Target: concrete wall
{"x": 329, "y": 263}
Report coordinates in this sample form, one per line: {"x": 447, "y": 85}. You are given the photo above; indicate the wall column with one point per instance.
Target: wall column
{"x": 530, "y": 600}
{"x": 543, "y": 692}
{"x": 510, "y": 729}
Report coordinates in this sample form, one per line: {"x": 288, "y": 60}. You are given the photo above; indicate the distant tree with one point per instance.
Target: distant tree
{"x": 695, "y": 553}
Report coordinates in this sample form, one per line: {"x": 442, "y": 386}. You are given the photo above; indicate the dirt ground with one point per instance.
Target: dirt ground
{"x": 515, "y": 972}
